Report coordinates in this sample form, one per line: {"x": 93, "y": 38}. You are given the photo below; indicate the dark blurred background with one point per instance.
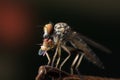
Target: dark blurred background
{"x": 98, "y": 20}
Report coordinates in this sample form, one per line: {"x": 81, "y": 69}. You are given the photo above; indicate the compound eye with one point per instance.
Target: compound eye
{"x": 48, "y": 28}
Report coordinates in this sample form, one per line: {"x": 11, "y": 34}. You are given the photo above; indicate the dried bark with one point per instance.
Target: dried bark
{"x": 47, "y": 72}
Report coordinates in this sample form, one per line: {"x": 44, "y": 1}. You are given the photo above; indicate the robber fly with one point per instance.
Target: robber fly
{"x": 63, "y": 34}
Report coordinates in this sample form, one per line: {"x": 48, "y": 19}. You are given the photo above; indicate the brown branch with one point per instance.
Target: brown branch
{"x": 46, "y": 72}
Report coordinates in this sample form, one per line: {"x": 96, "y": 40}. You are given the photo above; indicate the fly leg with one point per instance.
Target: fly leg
{"x": 54, "y": 57}
{"x": 48, "y": 57}
{"x": 69, "y": 54}
{"x": 78, "y": 63}
{"x": 64, "y": 61}
{"x": 73, "y": 63}
{"x": 59, "y": 56}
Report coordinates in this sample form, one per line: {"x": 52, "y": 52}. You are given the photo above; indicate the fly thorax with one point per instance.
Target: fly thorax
{"x": 61, "y": 29}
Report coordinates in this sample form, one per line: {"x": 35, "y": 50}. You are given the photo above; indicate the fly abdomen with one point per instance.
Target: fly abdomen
{"x": 91, "y": 56}
{"x": 88, "y": 53}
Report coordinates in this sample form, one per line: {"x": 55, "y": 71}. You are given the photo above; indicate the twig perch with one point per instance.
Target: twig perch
{"x": 46, "y": 72}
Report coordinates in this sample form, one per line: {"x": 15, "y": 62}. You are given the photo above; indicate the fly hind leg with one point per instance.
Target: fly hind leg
{"x": 73, "y": 63}
{"x": 78, "y": 63}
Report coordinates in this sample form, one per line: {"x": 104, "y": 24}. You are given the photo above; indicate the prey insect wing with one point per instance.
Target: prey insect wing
{"x": 41, "y": 52}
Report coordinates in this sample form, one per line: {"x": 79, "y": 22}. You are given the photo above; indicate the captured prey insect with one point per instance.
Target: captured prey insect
{"x": 63, "y": 34}
{"x": 47, "y": 42}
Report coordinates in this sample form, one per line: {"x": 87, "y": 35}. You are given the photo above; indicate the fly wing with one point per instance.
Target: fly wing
{"x": 79, "y": 43}
{"x": 41, "y": 52}
{"x": 93, "y": 43}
